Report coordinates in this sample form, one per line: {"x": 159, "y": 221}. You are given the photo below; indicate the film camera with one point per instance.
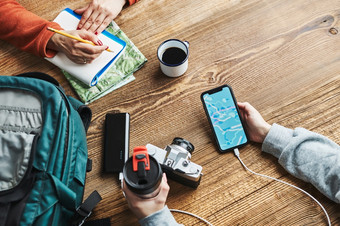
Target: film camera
{"x": 175, "y": 162}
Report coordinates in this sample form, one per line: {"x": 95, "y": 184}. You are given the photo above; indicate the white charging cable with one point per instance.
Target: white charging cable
{"x": 193, "y": 215}
{"x": 237, "y": 154}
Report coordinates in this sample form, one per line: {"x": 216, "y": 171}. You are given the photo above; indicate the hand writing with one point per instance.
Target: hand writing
{"x": 76, "y": 51}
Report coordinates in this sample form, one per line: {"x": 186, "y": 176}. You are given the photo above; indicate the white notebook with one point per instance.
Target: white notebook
{"x": 87, "y": 73}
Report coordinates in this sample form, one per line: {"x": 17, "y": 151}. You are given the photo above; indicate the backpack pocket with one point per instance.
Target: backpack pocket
{"x": 20, "y": 126}
{"x": 15, "y": 158}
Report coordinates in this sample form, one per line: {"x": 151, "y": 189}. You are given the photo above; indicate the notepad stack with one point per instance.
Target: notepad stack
{"x": 120, "y": 73}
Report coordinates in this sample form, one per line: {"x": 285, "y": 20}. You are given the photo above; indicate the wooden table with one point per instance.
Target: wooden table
{"x": 281, "y": 56}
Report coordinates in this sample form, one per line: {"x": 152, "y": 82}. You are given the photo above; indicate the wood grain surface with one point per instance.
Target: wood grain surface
{"x": 282, "y": 56}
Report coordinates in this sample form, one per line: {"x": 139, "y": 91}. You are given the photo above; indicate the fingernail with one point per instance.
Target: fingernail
{"x": 100, "y": 43}
{"x": 78, "y": 28}
{"x": 95, "y": 33}
{"x": 107, "y": 47}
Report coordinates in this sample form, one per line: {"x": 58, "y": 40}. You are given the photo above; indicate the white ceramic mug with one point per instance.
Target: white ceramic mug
{"x": 177, "y": 69}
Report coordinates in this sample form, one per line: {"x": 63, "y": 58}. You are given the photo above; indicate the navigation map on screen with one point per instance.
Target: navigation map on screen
{"x": 225, "y": 119}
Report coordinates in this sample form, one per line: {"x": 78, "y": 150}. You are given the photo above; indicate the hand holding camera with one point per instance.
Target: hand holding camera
{"x": 142, "y": 171}
{"x": 145, "y": 189}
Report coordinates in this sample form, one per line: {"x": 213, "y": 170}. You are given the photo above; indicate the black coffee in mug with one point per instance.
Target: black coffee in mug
{"x": 173, "y": 55}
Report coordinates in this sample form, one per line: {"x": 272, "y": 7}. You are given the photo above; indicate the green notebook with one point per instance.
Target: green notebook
{"x": 120, "y": 74}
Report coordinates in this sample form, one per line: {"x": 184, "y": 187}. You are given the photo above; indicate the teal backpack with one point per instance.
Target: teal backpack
{"x": 43, "y": 153}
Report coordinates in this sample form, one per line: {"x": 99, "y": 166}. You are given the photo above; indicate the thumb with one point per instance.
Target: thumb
{"x": 80, "y": 11}
{"x": 241, "y": 105}
{"x": 165, "y": 178}
{"x": 164, "y": 187}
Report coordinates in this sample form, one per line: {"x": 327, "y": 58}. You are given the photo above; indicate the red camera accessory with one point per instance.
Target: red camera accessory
{"x": 140, "y": 155}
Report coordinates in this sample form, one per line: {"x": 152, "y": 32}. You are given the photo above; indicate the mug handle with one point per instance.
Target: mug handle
{"x": 186, "y": 43}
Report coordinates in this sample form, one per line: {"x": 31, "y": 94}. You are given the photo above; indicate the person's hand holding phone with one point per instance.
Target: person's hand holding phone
{"x": 224, "y": 118}
{"x": 255, "y": 125}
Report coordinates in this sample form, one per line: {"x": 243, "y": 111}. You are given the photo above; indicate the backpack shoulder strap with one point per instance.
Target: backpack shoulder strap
{"x": 85, "y": 209}
{"x": 41, "y": 76}
{"x": 83, "y": 110}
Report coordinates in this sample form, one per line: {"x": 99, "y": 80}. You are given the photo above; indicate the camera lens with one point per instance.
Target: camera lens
{"x": 184, "y": 144}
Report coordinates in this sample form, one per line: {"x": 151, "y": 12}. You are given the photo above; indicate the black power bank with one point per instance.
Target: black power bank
{"x": 116, "y": 141}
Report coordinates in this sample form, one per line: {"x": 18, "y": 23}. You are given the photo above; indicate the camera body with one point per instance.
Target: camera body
{"x": 175, "y": 162}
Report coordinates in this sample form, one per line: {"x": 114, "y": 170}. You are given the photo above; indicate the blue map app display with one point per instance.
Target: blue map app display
{"x": 225, "y": 119}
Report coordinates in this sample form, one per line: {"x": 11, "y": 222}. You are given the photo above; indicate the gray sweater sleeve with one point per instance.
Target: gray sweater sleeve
{"x": 308, "y": 156}
{"x": 162, "y": 217}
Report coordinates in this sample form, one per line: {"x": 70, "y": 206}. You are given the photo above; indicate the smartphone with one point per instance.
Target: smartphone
{"x": 224, "y": 118}
{"x": 116, "y": 141}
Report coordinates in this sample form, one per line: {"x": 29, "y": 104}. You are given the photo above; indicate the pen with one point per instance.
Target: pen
{"x": 74, "y": 37}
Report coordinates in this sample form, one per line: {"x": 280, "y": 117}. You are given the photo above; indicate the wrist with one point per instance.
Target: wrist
{"x": 52, "y": 43}
{"x": 265, "y": 131}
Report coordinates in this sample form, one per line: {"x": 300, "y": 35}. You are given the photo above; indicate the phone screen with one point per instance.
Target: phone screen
{"x": 223, "y": 114}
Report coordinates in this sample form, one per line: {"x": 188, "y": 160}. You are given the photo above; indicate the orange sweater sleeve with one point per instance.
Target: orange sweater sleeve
{"x": 24, "y": 29}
